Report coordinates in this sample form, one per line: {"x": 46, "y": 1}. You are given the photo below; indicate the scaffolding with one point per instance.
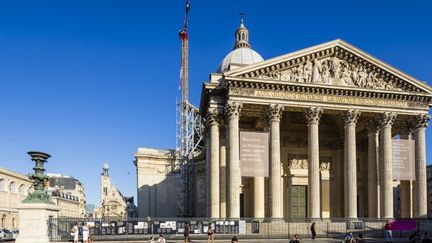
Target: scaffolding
{"x": 190, "y": 131}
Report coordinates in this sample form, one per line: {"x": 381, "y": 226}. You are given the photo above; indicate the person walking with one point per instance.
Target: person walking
{"x": 234, "y": 240}
{"x": 313, "y": 231}
{"x": 85, "y": 233}
{"x": 152, "y": 240}
{"x": 75, "y": 233}
{"x": 388, "y": 232}
{"x": 210, "y": 232}
{"x": 186, "y": 232}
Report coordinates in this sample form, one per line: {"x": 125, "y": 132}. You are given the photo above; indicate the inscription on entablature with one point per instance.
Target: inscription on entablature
{"x": 326, "y": 98}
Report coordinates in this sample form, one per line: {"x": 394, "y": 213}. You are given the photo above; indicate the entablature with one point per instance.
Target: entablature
{"x": 334, "y": 97}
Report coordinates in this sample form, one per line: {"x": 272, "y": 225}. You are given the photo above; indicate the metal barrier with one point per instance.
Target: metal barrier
{"x": 246, "y": 228}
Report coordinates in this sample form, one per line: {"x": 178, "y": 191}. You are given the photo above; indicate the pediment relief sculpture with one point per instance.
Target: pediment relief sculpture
{"x": 332, "y": 71}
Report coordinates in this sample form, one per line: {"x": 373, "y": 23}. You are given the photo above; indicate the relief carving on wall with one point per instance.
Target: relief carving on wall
{"x": 301, "y": 162}
{"x": 332, "y": 70}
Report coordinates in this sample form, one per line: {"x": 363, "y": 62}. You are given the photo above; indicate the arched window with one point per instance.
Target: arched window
{"x": 242, "y": 36}
{"x": 2, "y": 184}
{"x": 13, "y": 187}
{"x": 22, "y": 189}
{"x": 3, "y": 221}
{"x": 30, "y": 190}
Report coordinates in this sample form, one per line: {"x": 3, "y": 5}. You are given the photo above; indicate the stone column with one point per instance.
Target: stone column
{"x": 421, "y": 123}
{"x": 386, "y": 165}
{"x": 223, "y": 185}
{"x": 274, "y": 114}
{"x": 406, "y": 202}
{"x": 259, "y": 197}
{"x": 213, "y": 126}
{"x": 373, "y": 192}
{"x": 350, "y": 165}
{"x": 406, "y": 186}
{"x": 313, "y": 116}
{"x": 232, "y": 112}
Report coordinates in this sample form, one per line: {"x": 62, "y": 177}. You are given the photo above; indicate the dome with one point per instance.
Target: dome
{"x": 240, "y": 56}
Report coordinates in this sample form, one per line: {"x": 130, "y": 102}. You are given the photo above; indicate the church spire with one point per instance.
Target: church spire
{"x": 242, "y": 36}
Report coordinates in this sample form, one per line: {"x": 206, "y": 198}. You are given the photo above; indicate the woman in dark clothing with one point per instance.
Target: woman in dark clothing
{"x": 186, "y": 232}
{"x": 312, "y": 228}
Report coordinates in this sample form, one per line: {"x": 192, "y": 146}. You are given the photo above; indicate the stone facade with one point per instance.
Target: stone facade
{"x": 331, "y": 111}
{"x": 157, "y": 183}
{"x": 71, "y": 200}
{"x": 14, "y": 188}
{"x": 321, "y": 106}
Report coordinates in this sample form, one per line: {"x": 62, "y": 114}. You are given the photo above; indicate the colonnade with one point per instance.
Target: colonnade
{"x": 380, "y": 178}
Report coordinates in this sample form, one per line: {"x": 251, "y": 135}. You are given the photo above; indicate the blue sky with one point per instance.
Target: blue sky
{"x": 91, "y": 81}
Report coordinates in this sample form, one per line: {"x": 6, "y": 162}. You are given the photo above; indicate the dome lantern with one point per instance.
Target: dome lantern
{"x": 242, "y": 36}
{"x": 242, "y": 53}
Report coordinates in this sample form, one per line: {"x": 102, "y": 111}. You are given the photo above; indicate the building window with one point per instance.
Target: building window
{"x": 2, "y": 184}
{"x": 13, "y": 223}
{"x": 12, "y": 187}
{"x": 22, "y": 189}
{"x": 3, "y": 221}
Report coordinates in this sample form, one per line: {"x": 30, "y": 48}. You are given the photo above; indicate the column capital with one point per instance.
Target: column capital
{"x": 372, "y": 126}
{"x": 313, "y": 114}
{"x": 421, "y": 121}
{"x": 212, "y": 117}
{"x": 275, "y": 112}
{"x": 387, "y": 118}
{"x": 351, "y": 117}
{"x": 233, "y": 109}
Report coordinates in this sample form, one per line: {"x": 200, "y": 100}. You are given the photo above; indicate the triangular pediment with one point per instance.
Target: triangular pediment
{"x": 335, "y": 63}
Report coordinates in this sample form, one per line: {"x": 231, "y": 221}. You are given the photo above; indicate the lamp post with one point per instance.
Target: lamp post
{"x": 40, "y": 195}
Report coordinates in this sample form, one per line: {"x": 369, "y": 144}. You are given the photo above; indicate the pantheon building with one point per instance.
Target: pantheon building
{"x": 324, "y": 132}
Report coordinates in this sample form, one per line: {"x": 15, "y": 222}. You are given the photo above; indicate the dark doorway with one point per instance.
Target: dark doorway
{"x": 242, "y": 205}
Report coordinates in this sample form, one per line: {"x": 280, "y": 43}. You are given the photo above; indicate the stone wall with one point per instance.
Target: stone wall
{"x": 156, "y": 183}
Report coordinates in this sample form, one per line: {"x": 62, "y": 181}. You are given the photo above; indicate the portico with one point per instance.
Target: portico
{"x": 332, "y": 112}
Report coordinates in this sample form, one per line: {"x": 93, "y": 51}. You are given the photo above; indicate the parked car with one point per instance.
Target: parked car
{"x": 15, "y": 233}
{"x": 2, "y": 234}
{"x": 7, "y": 234}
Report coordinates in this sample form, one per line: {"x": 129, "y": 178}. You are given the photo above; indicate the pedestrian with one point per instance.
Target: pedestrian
{"x": 359, "y": 239}
{"x": 75, "y": 233}
{"x": 349, "y": 238}
{"x": 313, "y": 231}
{"x": 295, "y": 239}
{"x": 151, "y": 240}
{"x": 186, "y": 232}
{"x": 388, "y": 232}
{"x": 85, "y": 233}
{"x": 210, "y": 233}
{"x": 234, "y": 240}
{"x": 161, "y": 239}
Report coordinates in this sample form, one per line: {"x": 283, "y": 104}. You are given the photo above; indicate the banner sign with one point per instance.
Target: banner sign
{"x": 403, "y": 159}
{"x": 254, "y": 154}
